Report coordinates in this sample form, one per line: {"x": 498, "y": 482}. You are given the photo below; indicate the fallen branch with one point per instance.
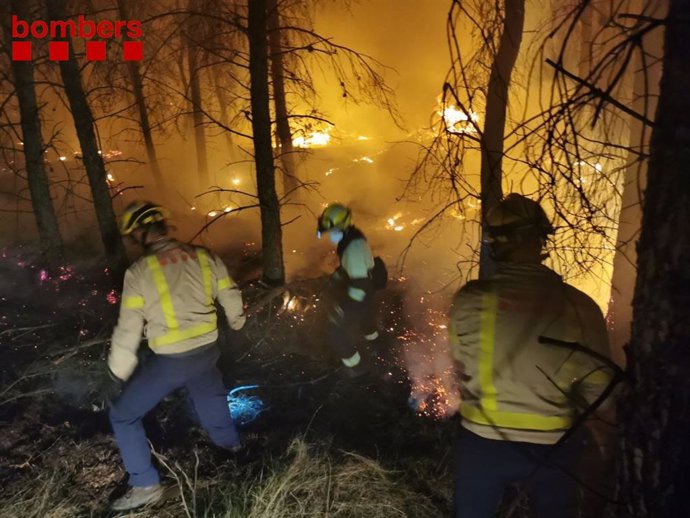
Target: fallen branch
{"x": 75, "y": 350}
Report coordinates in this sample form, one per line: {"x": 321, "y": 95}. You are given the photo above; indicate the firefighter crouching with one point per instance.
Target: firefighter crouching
{"x": 351, "y": 316}
{"x": 519, "y": 395}
{"x": 169, "y": 292}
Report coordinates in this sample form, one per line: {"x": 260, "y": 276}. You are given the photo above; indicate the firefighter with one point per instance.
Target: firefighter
{"x": 169, "y": 292}
{"x": 519, "y": 395}
{"x": 351, "y": 319}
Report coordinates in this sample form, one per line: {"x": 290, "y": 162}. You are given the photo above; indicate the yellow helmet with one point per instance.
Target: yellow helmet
{"x": 514, "y": 216}
{"x": 336, "y": 215}
{"x": 139, "y": 214}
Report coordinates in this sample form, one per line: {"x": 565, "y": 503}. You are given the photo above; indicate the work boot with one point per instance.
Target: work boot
{"x": 137, "y": 497}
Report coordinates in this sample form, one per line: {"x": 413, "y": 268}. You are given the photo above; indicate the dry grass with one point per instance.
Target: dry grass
{"x": 315, "y": 484}
{"x": 309, "y": 480}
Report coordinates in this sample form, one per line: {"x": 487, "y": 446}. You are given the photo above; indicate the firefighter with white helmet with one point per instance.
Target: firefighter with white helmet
{"x": 351, "y": 318}
{"x": 519, "y": 395}
{"x": 169, "y": 293}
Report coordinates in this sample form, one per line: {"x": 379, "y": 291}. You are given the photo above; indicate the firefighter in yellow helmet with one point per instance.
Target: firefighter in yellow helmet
{"x": 169, "y": 292}
{"x": 351, "y": 318}
{"x": 519, "y": 395}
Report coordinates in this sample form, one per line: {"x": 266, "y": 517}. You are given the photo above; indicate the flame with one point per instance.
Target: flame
{"x": 394, "y": 222}
{"x": 313, "y": 139}
{"x": 458, "y": 121}
{"x": 111, "y": 154}
{"x": 364, "y": 159}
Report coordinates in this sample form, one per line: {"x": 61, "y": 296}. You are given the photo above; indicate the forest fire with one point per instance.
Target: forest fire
{"x": 312, "y": 139}
{"x": 457, "y": 121}
{"x": 295, "y": 221}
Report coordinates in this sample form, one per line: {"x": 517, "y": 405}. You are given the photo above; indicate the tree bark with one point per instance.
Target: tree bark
{"x": 93, "y": 162}
{"x": 271, "y": 230}
{"x": 39, "y": 186}
{"x": 138, "y": 91}
{"x": 494, "y": 124}
{"x": 646, "y": 75}
{"x": 656, "y": 420}
{"x": 285, "y": 147}
{"x": 195, "y": 96}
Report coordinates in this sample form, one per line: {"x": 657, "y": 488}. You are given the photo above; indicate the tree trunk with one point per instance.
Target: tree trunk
{"x": 285, "y": 147}
{"x": 646, "y": 75}
{"x": 138, "y": 90}
{"x": 93, "y": 162}
{"x": 224, "y": 118}
{"x": 271, "y": 230}
{"x": 494, "y": 125}
{"x": 656, "y": 420}
{"x": 195, "y": 97}
{"x": 39, "y": 187}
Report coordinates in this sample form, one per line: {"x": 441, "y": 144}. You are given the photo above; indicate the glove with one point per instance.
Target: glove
{"x": 113, "y": 388}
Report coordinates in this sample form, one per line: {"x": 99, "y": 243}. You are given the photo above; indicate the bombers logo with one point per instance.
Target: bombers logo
{"x": 81, "y": 28}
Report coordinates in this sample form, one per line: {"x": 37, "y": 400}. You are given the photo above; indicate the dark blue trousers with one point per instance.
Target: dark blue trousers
{"x": 484, "y": 468}
{"x": 196, "y": 372}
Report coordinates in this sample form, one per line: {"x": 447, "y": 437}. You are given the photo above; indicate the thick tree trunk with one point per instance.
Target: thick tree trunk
{"x": 271, "y": 230}
{"x": 646, "y": 76}
{"x": 285, "y": 147}
{"x": 93, "y": 162}
{"x": 494, "y": 125}
{"x": 138, "y": 91}
{"x": 656, "y": 419}
{"x": 195, "y": 97}
{"x": 39, "y": 187}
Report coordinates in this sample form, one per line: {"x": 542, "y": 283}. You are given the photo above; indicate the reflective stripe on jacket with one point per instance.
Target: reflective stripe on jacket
{"x": 172, "y": 292}
{"x": 515, "y": 388}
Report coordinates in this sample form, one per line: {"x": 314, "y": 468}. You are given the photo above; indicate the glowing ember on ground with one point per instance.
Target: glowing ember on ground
{"x": 112, "y": 297}
{"x": 434, "y": 392}
{"x": 364, "y": 159}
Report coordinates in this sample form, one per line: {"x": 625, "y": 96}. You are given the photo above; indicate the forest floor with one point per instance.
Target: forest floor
{"x": 320, "y": 445}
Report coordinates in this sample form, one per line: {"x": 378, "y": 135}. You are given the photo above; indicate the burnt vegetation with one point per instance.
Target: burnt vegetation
{"x": 587, "y": 113}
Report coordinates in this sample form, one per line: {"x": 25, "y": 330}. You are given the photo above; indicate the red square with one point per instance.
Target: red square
{"x": 21, "y": 51}
{"x": 58, "y": 51}
{"x": 95, "y": 50}
{"x": 134, "y": 50}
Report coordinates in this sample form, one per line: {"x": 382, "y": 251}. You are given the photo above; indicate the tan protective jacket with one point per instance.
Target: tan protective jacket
{"x": 172, "y": 292}
{"x": 515, "y": 388}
